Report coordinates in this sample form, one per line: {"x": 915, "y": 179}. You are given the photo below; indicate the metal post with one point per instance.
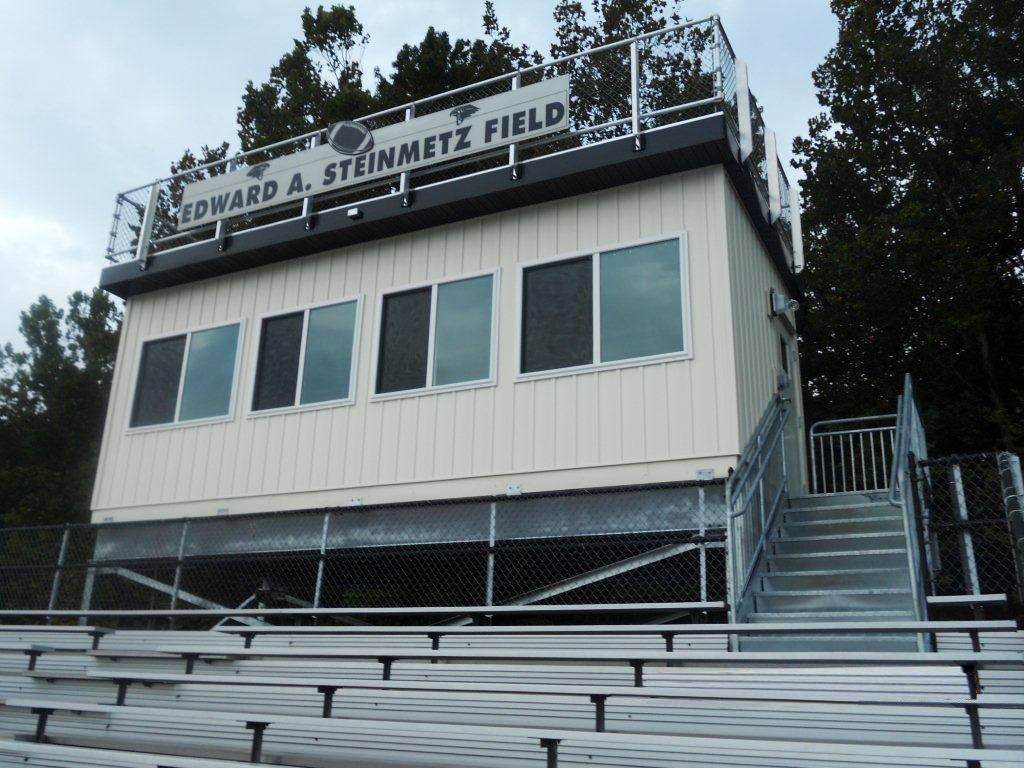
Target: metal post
{"x": 146, "y": 228}
{"x": 598, "y": 700}
{"x": 703, "y": 546}
{"x": 404, "y": 187}
{"x": 716, "y": 31}
{"x": 966, "y": 541}
{"x": 551, "y": 745}
{"x": 1013, "y": 501}
{"x": 634, "y": 96}
{"x": 44, "y": 715}
{"x": 307, "y": 202}
{"x": 90, "y": 580}
{"x": 257, "y": 729}
{"x": 320, "y": 565}
{"x": 918, "y": 542}
{"x": 328, "y": 692}
{"x": 772, "y": 168}
{"x": 513, "y": 149}
{"x": 55, "y": 589}
{"x": 489, "y": 595}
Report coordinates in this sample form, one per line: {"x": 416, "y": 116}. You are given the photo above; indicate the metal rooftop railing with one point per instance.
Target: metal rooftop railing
{"x": 619, "y": 89}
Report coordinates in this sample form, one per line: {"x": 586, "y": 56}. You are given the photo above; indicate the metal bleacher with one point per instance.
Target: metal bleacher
{"x": 654, "y": 695}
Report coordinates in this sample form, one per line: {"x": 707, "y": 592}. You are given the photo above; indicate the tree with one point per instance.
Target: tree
{"x": 319, "y": 81}
{"x": 673, "y": 67}
{"x": 914, "y": 217}
{"x": 53, "y": 397}
{"x": 437, "y": 64}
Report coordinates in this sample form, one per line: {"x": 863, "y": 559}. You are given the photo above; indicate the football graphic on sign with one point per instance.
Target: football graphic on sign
{"x": 350, "y": 138}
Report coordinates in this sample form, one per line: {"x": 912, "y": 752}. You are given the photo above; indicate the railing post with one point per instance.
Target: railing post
{"x": 966, "y": 541}
{"x": 307, "y": 202}
{"x": 634, "y": 96}
{"x": 1013, "y": 500}
{"x": 61, "y": 557}
{"x": 703, "y": 545}
{"x": 513, "y": 148}
{"x": 146, "y": 227}
{"x": 404, "y": 182}
{"x": 914, "y": 506}
{"x": 743, "y": 117}
{"x": 772, "y": 170}
{"x": 489, "y": 589}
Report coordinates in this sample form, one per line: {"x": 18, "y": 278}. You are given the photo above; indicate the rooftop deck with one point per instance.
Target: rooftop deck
{"x": 646, "y": 106}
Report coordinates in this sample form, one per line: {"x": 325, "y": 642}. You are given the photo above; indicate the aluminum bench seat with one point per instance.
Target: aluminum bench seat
{"x": 765, "y": 708}
{"x": 637, "y": 661}
{"x": 344, "y": 742}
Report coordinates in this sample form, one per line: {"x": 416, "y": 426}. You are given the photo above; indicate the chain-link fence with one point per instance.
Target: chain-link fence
{"x": 967, "y": 524}
{"x": 640, "y": 544}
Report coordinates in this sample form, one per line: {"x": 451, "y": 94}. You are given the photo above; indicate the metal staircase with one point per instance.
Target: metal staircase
{"x": 834, "y": 558}
{"x": 845, "y": 552}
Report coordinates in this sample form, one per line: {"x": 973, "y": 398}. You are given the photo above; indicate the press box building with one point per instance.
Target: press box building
{"x": 577, "y": 277}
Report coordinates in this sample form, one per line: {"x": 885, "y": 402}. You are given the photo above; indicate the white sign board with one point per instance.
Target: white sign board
{"x": 355, "y": 154}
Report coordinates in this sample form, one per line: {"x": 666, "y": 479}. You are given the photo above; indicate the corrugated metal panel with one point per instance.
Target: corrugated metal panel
{"x": 643, "y": 424}
{"x": 756, "y": 335}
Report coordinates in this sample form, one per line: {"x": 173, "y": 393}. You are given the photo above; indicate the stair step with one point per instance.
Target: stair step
{"x": 832, "y": 561}
{"x": 839, "y": 642}
{"x": 838, "y": 512}
{"x": 844, "y": 600}
{"x": 889, "y": 524}
{"x": 839, "y": 500}
{"x": 782, "y": 617}
{"x": 846, "y": 542}
{"x": 868, "y": 578}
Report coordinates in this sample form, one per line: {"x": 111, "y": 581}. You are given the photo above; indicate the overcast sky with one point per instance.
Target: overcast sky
{"x": 100, "y": 96}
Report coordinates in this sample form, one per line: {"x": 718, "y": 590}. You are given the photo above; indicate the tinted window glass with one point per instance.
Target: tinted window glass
{"x": 405, "y": 329}
{"x": 641, "y": 303}
{"x": 209, "y": 373}
{"x": 462, "y": 331}
{"x": 277, "y": 371}
{"x": 558, "y": 325}
{"x": 156, "y": 393}
{"x": 328, "y": 363}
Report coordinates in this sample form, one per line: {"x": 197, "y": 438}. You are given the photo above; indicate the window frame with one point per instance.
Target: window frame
{"x": 428, "y": 388}
{"x": 304, "y": 310}
{"x": 598, "y": 365}
{"x": 177, "y": 422}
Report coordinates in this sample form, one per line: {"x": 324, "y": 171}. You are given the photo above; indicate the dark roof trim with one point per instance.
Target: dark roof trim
{"x": 698, "y": 143}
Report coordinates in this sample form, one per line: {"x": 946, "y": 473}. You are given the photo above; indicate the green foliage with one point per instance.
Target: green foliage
{"x": 437, "y": 64}
{"x": 914, "y": 217}
{"x": 317, "y": 82}
{"x": 53, "y": 397}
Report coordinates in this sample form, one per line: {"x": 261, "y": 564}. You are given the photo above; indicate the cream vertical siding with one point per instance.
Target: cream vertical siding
{"x": 654, "y": 422}
{"x": 756, "y": 333}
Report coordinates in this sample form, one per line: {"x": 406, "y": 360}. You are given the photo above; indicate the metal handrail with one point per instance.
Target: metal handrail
{"x": 910, "y": 446}
{"x": 508, "y": 76}
{"x": 752, "y": 506}
{"x": 129, "y": 238}
{"x": 856, "y": 469}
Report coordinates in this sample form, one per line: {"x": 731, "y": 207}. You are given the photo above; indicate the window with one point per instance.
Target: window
{"x": 614, "y": 306}
{"x": 305, "y": 357}
{"x": 186, "y": 377}
{"x": 439, "y": 335}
